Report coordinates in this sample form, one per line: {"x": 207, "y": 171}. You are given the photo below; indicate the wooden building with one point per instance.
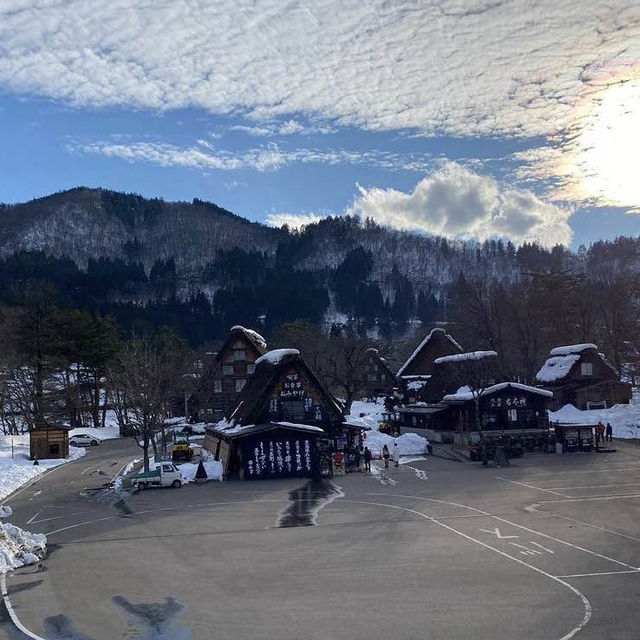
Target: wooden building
{"x": 416, "y": 372}
{"x": 506, "y": 408}
{"x": 378, "y": 377}
{"x": 49, "y": 442}
{"x": 227, "y": 372}
{"x": 579, "y": 375}
{"x": 283, "y": 401}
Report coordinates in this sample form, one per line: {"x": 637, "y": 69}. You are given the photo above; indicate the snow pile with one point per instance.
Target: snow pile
{"x": 19, "y": 547}
{"x": 557, "y": 367}
{"x": 16, "y": 471}
{"x": 254, "y": 335}
{"x": 303, "y": 427}
{"x": 425, "y": 342}
{"x": 411, "y": 444}
{"x": 416, "y": 385}
{"x": 624, "y": 418}
{"x": 212, "y": 467}
{"x": 275, "y": 355}
{"x": 366, "y": 414}
{"x": 461, "y": 357}
{"x": 572, "y": 348}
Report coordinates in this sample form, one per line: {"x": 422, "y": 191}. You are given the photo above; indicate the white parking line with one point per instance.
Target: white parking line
{"x": 585, "y": 602}
{"x": 596, "y": 486}
{"x": 602, "y": 573}
{"x": 530, "y": 486}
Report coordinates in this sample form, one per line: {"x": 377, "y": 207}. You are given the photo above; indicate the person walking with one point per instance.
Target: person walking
{"x": 396, "y": 454}
{"x": 609, "y": 432}
{"x": 367, "y": 459}
{"x": 385, "y": 455}
{"x": 599, "y": 433}
{"x": 358, "y": 457}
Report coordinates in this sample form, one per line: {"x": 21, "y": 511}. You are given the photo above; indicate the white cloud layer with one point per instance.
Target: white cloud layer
{"x": 204, "y": 155}
{"x": 458, "y": 203}
{"x": 460, "y": 67}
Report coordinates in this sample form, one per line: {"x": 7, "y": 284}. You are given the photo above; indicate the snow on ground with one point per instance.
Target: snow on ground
{"x": 368, "y": 414}
{"x": 211, "y": 466}
{"x": 624, "y": 418}
{"x": 19, "y": 547}
{"x": 108, "y": 432}
{"x": 16, "y": 471}
{"x": 411, "y": 444}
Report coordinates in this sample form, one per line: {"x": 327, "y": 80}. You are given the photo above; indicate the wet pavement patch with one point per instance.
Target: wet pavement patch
{"x": 306, "y": 502}
{"x": 61, "y": 628}
{"x": 156, "y": 620}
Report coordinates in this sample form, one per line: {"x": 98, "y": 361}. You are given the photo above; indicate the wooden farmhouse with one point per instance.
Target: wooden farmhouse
{"x": 579, "y": 375}
{"x": 506, "y": 408}
{"x": 378, "y": 377}
{"x": 416, "y": 372}
{"x": 228, "y": 372}
{"x": 49, "y": 442}
{"x": 285, "y": 419}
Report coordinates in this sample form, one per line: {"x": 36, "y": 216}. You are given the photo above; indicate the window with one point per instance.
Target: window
{"x": 227, "y": 369}
{"x": 167, "y": 467}
{"x": 372, "y": 377}
{"x": 251, "y": 368}
{"x": 586, "y": 368}
{"x": 293, "y": 409}
{"x": 240, "y": 382}
{"x": 239, "y": 355}
{"x": 217, "y": 386}
{"x": 414, "y": 421}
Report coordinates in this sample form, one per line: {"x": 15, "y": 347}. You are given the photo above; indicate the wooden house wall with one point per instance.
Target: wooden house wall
{"x": 378, "y": 379}
{"x": 223, "y": 402}
{"x": 42, "y": 441}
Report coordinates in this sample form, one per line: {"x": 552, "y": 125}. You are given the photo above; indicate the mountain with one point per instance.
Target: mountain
{"x": 131, "y": 257}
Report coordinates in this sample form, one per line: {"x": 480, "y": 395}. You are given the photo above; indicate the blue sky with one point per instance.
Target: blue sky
{"x": 437, "y": 118}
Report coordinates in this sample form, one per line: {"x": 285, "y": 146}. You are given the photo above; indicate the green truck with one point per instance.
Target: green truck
{"x": 165, "y": 474}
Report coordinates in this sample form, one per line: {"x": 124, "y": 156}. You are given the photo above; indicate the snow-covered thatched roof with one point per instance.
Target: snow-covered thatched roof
{"x": 463, "y": 394}
{"x": 434, "y": 332}
{"x": 461, "y": 357}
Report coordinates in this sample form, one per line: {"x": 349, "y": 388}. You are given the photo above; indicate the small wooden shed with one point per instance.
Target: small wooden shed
{"x": 51, "y": 441}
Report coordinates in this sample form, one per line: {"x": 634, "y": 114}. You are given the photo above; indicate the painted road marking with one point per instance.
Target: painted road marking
{"x": 497, "y": 534}
{"x": 603, "y": 573}
{"x": 530, "y": 486}
{"x": 527, "y": 551}
{"x": 585, "y": 602}
{"x": 537, "y": 544}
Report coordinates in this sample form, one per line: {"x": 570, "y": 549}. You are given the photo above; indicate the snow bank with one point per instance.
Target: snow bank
{"x": 366, "y": 414}
{"x": 108, "y": 432}
{"x": 411, "y": 444}
{"x": 16, "y": 471}
{"x": 19, "y": 547}
{"x": 212, "y": 467}
{"x": 556, "y": 367}
{"x": 624, "y": 418}
{"x": 275, "y": 355}
{"x": 461, "y": 357}
{"x": 572, "y": 348}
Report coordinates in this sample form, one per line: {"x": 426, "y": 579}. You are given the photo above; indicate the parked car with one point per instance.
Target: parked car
{"x": 83, "y": 440}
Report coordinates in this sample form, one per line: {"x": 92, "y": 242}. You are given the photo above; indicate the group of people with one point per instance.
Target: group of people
{"x": 363, "y": 454}
{"x": 604, "y": 434}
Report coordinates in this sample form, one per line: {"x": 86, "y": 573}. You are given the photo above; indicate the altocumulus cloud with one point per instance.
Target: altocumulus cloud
{"x": 458, "y": 203}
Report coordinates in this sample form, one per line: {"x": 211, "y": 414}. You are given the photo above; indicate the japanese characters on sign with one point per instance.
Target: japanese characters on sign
{"x": 278, "y": 456}
{"x": 292, "y": 387}
{"x": 508, "y": 402}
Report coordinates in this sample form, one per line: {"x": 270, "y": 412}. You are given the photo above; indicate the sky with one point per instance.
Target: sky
{"x": 470, "y": 119}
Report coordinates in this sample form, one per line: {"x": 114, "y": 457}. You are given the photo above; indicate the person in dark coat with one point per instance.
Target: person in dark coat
{"x": 357, "y": 455}
{"x": 367, "y": 459}
{"x": 385, "y": 455}
{"x": 609, "y": 433}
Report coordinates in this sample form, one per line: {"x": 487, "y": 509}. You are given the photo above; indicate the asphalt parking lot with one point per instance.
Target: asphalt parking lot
{"x": 548, "y": 548}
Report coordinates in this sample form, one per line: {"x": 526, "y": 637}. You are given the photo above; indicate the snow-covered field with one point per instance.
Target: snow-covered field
{"x": 16, "y": 471}
{"x": 369, "y": 414}
{"x": 624, "y": 418}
